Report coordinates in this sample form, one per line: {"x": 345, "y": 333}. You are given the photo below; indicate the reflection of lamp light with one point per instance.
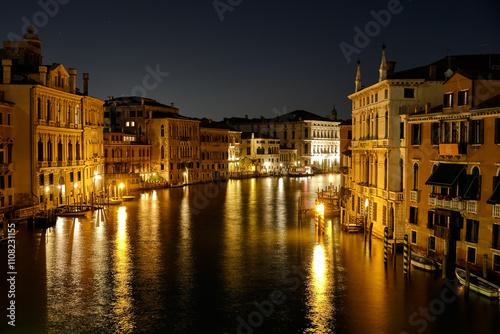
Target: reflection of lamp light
{"x": 59, "y": 187}
{"x": 122, "y": 185}
{"x": 75, "y": 185}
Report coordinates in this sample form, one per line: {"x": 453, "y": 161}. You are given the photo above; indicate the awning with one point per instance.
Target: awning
{"x": 495, "y": 197}
{"x": 472, "y": 189}
{"x": 445, "y": 175}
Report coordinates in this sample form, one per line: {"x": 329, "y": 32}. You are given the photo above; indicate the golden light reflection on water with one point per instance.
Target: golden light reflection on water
{"x": 122, "y": 305}
{"x": 319, "y": 302}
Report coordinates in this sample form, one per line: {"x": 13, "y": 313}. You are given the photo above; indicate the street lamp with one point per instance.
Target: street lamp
{"x": 121, "y": 189}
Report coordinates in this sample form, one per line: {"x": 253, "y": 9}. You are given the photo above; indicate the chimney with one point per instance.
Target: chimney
{"x": 427, "y": 108}
{"x": 172, "y": 104}
{"x": 390, "y": 65}
{"x": 72, "y": 80}
{"x": 246, "y": 116}
{"x": 85, "y": 84}
{"x": 7, "y": 70}
{"x": 432, "y": 72}
{"x": 43, "y": 75}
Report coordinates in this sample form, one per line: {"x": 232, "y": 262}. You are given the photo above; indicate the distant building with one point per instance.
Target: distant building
{"x": 7, "y": 142}
{"x": 58, "y": 129}
{"x": 315, "y": 138}
{"x": 215, "y": 148}
{"x": 345, "y": 150}
{"x": 234, "y": 153}
{"x": 175, "y": 147}
{"x": 127, "y": 163}
{"x": 262, "y": 150}
{"x": 453, "y": 169}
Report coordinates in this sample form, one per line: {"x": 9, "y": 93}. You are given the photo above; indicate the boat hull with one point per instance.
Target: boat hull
{"x": 423, "y": 262}
{"x": 478, "y": 284}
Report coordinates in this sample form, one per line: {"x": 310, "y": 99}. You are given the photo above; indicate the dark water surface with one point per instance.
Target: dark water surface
{"x": 225, "y": 258}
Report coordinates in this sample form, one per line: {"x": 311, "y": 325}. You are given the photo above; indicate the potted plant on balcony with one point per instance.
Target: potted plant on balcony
{"x": 448, "y": 197}
{"x": 440, "y": 196}
{"x": 432, "y": 195}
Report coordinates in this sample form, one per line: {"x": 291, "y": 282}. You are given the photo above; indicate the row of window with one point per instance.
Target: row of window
{"x": 471, "y": 132}
{"x": 41, "y": 178}
{"x": 453, "y": 224}
{"x": 462, "y": 99}
{"x": 471, "y": 251}
{"x": 8, "y": 121}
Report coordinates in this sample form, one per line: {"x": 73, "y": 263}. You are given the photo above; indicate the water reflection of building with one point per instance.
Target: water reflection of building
{"x": 59, "y": 129}
{"x": 453, "y": 169}
{"x": 127, "y": 162}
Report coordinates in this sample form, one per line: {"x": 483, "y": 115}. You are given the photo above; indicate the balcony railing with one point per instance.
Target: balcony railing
{"x": 455, "y": 205}
{"x": 396, "y": 196}
{"x": 414, "y": 196}
{"x": 496, "y": 211}
{"x": 472, "y": 206}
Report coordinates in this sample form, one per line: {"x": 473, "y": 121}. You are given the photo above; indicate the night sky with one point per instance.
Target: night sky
{"x": 263, "y": 57}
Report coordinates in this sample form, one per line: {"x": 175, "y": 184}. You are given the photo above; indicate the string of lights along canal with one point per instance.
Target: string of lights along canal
{"x": 227, "y": 257}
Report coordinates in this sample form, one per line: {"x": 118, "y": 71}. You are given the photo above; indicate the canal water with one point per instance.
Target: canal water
{"x": 225, "y": 258}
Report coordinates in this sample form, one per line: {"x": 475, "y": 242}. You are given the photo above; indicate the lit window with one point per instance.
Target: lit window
{"x": 448, "y": 100}
{"x": 127, "y": 124}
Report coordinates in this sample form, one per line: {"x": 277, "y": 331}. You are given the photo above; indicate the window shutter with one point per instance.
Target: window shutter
{"x": 430, "y": 219}
{"x": 497, "y": 130}
{"x": 481, "y": 131}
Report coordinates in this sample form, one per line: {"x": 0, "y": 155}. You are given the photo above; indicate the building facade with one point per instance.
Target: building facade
{"x": 59, "y": 150}
{"x": 7, "y": 141}
{"x": 316, "y": 139}
{"x": 262, "y": 150}
{"x": 126, "y": 164}
{"x": 215, "y": 148}
{"x": 377, "y": 158}
{"x": 453, "y": 171}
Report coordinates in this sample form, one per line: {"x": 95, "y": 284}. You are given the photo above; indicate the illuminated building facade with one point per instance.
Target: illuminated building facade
{"x": 59, "y": 129}
{"x": 454, "y": 170}
{"x": 127, "y": 163}
{"x": 7, "y": 141}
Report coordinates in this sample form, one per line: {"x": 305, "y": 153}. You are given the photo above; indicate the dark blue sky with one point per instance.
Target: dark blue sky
{"x": 265, "y": 55}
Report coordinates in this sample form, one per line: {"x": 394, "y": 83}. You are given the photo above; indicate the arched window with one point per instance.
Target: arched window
{"x": 285, "y": 134}
{"x": 40, "y": 150}
{"x": 415, "y": 176}
{"x": 293, "y": 134}
{"x": 306, "y": 133}
{"x": 77, "y": 149}
{"x": 105, "y": 152}
{"x": 39, "y": 108}
{"x": 162, "y": 131}
{"x": 77, "y": 115}
{"x": 70, "y": 151}
{"x": 162, "y": 152}
{"x": 58, "y": 120}
{"x": 49, "y": 151}
{"x": 48, "y": 110}
{"x": 306, "y": 149}
{"x": 59, "y": 151}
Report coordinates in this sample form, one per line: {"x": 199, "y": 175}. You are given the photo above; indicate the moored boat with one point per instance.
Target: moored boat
{"x": 300, "y": 171}
{"x": 128, "y": 198}
{"x": 113, "y": 201}
{"x": 478, "y": 284}
{"x": 423, "y": 262}
{"x": 5, "y": 237}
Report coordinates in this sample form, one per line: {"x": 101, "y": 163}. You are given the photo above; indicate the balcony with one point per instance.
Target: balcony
{"x": 451, "y": 204}
{"x": 453, "y": 149}
{"x": 496, "y": 211}
{"x": 472, "y": 207}
{"x": 396, "y": 196}
{"x": 414, "y": 196}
